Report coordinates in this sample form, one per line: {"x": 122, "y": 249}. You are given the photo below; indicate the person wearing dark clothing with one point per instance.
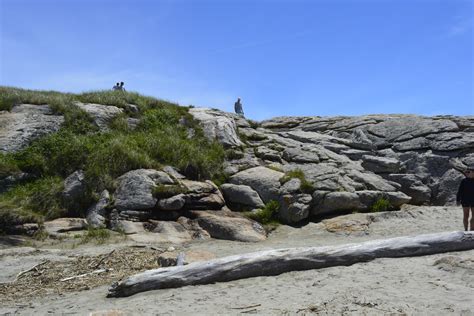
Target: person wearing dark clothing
{"x": 465, "y": 197}
{"x": 116, "y": 87}
{"x": 238, "y": 107}
{"x": 121, "y": 86}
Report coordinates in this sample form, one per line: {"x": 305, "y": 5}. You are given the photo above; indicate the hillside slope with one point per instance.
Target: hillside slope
{"x": 146, "y": 160}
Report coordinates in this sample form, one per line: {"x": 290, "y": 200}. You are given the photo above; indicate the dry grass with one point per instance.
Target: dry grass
{"x": 46, "y": 278}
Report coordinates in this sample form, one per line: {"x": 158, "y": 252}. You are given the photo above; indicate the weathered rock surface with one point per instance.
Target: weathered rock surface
{"x": 173, "y": 203}
{"x": 25, "y": 123}
{"x": 217, "y": 125}
{"x": 135, "y": 189}
{"x": 265, "y": 181}
{"x": 102, "y": 114}
{"x": 62, "y": 225}
{"x": 74, "y": 188}
{"x": 380, "y": 164}
{"x": 448, "y": 187}
{"x": 294, "y": 208}
{"x": 241, "y": 197}
{"x": 227, "y": 225}
{"x": 412, "y": 186}
{"x": 202, "y": 195}
{"x": 97, "y": 214}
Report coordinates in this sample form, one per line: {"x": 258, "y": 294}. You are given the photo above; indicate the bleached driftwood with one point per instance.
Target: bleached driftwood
{"x": 35, "y": 267}
{"x": 274, "y": 262}
{"x": 85, "y": 274}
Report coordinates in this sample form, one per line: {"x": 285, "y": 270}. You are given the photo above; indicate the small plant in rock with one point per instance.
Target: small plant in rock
{"x": 306, "y": 186}
{"x": 220, "y": 178}
{"x": 164, "y": 191}
{"x": 41, "y": 234}
{"x": 254, "y": 124}
{"x": 276, "y": 168}
{"x": 266, "y": 215}
{"x": 381, "y": 205}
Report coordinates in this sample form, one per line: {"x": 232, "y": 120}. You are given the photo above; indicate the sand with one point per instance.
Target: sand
{"x": 429, "y": 285}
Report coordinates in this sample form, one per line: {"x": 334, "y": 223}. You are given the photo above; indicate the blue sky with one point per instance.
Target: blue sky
{"x": 320, "y": 57}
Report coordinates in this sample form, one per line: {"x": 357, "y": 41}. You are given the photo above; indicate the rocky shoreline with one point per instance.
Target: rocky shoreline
{"x": 311, "y": 166}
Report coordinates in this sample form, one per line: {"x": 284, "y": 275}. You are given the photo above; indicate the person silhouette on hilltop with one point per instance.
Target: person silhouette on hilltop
{"x": 119, "y": 87}
{"x": 238, "y": 107}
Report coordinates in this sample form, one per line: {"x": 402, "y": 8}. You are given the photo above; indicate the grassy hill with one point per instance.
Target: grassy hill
{"x": 161, "y": 138}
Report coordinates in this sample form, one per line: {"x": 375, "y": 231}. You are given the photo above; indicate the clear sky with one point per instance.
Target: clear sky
{"x": 319, "y": 57}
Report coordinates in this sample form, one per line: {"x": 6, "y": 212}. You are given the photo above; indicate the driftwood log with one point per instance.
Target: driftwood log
{"x": 274, "y": 262}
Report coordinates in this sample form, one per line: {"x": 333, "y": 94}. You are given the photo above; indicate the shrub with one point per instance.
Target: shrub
{"x": 381, "y": 205}
{"x": 306, "y": 186}
{"x": 8, "y": 165}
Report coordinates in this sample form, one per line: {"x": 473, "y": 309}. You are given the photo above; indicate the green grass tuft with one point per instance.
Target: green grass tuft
{"x": 32, "y": 202}
{"x": 381, "y": 205}
{"x": 99, "y": 235}
{"x": 265, "y": 215}
{"x": 163, "y": 191}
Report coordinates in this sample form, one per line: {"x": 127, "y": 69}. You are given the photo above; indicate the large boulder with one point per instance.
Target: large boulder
{"x": 25, "y": 123}
{"x": 266, "y": 153}
{"x": 202, "y": 195}
{"x": 334, "y": 201}
{"x": 135, "y": 189}
{"x": 241, "y": 197}
{"x": 173, "y": 203}
{"x": 294, "y": 208}
{"x": 217, "y": 125}
{"x": 101, "y": 114}
{"x": 368, "y": 198}
{"x": 263, "y": 180}
{"x": 97, "y": 214}
{"x": 227, "y": 225}
{"x": 74, "y": 188}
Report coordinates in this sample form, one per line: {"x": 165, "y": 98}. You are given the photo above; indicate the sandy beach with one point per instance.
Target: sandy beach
{"x": 428, "y": 285}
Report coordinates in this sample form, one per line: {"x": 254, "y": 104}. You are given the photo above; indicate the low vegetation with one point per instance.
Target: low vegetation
{"x": 161, "y": 138}
{"x": 381, "y": 205}
{"x": 163, "y": 191}
{"x": 305, "y": 187}
{"x": 32, "y": 202}
{"x": 99, "y": 235}
{"x": 267, "y": 215}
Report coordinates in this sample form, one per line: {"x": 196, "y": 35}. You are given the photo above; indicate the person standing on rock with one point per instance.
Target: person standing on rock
{"x": 238, "y": 107}
{"x": 465, "y": 197}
